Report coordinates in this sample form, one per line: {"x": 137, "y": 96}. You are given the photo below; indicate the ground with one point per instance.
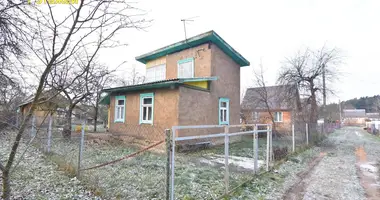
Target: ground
{"x": 344, "y": 166}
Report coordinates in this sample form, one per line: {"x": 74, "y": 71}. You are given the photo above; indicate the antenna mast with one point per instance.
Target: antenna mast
{"x": 184, "y": 23}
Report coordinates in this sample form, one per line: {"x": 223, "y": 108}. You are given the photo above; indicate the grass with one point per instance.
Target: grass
{"x": 143, "y": 176}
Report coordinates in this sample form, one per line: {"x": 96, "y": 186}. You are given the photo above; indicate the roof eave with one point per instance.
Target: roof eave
{"x": 210, "y": 36}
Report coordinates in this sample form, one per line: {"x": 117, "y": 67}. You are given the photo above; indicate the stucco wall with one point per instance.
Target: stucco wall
{"x": 165, "y": 115}
{"x": 228, "y": 83}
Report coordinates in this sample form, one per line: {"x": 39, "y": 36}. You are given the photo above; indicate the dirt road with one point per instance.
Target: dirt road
{"x": 345, "y": 169}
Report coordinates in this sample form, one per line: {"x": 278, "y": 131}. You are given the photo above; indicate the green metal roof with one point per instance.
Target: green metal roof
{"x": 210, "y": 36}
{"x": 150, "y": 85}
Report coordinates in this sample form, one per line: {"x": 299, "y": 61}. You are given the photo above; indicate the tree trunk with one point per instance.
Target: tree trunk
{"x": 66, "y": 133}
{"x": 96, "y": 115}
{"x": 6, "y": 185}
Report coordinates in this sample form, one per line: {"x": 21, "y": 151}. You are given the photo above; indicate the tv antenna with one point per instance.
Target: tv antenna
{"x": 191, "y": 19}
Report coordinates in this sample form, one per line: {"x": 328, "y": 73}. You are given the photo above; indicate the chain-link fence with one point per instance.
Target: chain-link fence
{"x": 113, "y": 166}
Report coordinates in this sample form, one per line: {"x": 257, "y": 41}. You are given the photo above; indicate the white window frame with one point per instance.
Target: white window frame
{"x": 119, "y": 108}
{"x": 278, "y": 116}
{"x": 156, "y": 70}
{"x": 187, "y": 60}
{"x": 255, "y": 116}
{"x": 142, "y": 105}
{"x": 222, "y": 120}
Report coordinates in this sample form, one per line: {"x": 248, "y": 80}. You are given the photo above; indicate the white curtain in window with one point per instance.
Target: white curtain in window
{"x": 185, "y": 70}
{"x": 156, "y": 73}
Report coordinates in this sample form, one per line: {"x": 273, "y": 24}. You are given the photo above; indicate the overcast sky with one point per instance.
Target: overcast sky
{"x": 270, "y": 31}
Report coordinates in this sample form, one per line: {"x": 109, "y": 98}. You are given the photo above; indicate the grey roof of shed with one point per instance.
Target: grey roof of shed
{"x": 354, "y": 113}
{"x": 278, "y": 98}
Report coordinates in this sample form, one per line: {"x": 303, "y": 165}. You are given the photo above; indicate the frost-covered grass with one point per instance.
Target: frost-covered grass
{"x": 144, "y": 176}
{"x": 36, "y": 177}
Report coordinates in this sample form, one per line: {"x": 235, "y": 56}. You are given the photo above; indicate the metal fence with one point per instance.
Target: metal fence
{"x": 185, "y": 162}
{"x": 209, "y": 166}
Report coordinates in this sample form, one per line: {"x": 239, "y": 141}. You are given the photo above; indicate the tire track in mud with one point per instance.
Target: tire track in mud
{"x": 332, "y": 174}
{"x": 298, "y": 189}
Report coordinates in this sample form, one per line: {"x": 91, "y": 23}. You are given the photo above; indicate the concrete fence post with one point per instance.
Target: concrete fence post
{"x": 307, "y": 134}
{"x": 49, "y": 133}
{"x": 226, "y": 155}
{"x": 293, "y": 139}
{"x": 268, "y": 148}
{"x": 255, "y": 148}
{"x": 81, "y": 146}
{"x": 168, "y": 154}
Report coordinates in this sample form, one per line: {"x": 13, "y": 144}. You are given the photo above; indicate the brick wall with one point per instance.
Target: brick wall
{"x": 165, "y": 115}
{"x": 264, "y": 118}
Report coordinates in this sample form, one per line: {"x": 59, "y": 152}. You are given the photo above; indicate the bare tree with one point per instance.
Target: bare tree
{"x": 263, "y": 96}
{"x": 306, "y": 69}
{"x": 12, "y": 29}
{"x": 101, "y": 83}
{"x": 79, "y": 82}
{"x": 88, "y": 26}
{"x": 135, "y": 77}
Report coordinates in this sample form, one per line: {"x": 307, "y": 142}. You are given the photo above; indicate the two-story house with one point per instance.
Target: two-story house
{"x": 191, "y": 82}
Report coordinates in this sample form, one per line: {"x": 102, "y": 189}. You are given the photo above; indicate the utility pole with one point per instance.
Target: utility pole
{"x": 340, "y": 112}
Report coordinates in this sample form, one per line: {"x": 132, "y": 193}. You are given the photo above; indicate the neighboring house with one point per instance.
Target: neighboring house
{"x": 57, "y": 106}
{"x": 373, "y": 116}
{"x": 47, "y": 104}
{"x": 354, "y": 116}
{"x": 280, "y": 102}
{"x": 191, "y": 82}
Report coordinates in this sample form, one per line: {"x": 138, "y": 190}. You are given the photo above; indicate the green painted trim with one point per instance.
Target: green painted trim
{"x": 197, "y": 40}
{"x": 116, "y": 99}
{"x": 153, "y": 85}
{"x": 185, "y": 60}
{"x": 142, "y": 96}
{"x": 105, "y": 100}
{"x": 196, "y": 79}
{"x": 227, "y": 100}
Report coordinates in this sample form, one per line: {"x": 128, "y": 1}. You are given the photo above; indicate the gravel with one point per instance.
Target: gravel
{"x": 334, "y": 177}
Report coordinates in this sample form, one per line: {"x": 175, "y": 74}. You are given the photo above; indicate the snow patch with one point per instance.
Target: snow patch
{"x": 242, "y": 162}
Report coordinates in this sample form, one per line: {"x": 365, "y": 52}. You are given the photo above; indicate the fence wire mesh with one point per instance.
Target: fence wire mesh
{"x": 125, "y": 166}
{"x": 113, "y": 166}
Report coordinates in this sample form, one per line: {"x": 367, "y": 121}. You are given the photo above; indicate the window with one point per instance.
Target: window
{"x": 224, "y": 111}
{"x": 156, "y": 73}
{"x": 278, "y": 116}
{"x": 146, "y": 108}
{"x": 119, "y": 109}
{"x": 186, "y": 68}
{"x": 255, "y": 116}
